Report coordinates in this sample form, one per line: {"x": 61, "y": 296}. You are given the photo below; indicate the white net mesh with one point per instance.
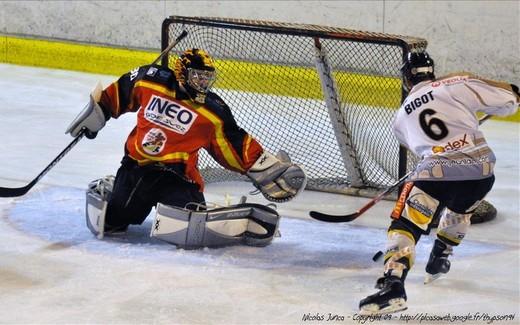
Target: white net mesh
{"x": 267, "y": 75}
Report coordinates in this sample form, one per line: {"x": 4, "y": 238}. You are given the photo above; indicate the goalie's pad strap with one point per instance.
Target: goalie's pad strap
{"x": 252, "y": 224}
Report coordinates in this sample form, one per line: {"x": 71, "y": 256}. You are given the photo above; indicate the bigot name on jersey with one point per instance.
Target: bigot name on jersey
{"x": 169, "y": 114}
{"x": 418, "y": 102}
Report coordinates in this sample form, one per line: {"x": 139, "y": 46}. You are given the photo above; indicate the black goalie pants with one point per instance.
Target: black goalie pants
{"x": 137, "y": 189}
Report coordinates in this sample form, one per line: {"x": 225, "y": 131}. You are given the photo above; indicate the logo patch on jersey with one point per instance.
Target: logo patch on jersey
{"x": 449, "y": 81}
{"x": 154, "y": 141}
{"x": 169, "y": 114}
{"x": 164, "y": 74}
{"x": 456, "y": 143}
{"x": 421, "y": 207}
{"x": 151, "y": 71}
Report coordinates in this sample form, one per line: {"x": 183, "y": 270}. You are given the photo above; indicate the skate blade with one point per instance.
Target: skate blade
{"x": 429, "y": 278}
{"x": 394, "y": 306}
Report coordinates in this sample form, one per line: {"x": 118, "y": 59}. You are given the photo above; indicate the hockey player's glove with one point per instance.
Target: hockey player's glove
{"x": 92, "y": 118}
{"x": 277, "y": 178}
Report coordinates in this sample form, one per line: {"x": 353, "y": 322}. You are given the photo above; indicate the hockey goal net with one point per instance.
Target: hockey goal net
{"x": 324, "y": 95}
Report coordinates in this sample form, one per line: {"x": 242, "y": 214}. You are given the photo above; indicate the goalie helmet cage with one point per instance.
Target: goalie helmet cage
{"x": 324, "y": 95}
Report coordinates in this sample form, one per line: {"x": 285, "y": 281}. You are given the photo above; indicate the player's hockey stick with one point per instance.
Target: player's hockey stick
{"x": 18, "y": 191}
{"x": 349, "y": 217}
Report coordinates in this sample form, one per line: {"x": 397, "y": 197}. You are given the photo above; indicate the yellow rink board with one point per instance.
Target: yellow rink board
{"x": 287, "y": 81}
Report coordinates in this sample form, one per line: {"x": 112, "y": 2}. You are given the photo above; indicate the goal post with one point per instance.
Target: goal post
{"x": 325, "y": 95}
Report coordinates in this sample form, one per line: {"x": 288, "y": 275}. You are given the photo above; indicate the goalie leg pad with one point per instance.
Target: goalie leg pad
{"x": 98, "y": 193}
{"x": 250, "y": 224}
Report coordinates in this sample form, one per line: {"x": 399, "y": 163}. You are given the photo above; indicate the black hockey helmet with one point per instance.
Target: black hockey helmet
{"x": 417, "y": 67}
{"x": 195, "y": 70}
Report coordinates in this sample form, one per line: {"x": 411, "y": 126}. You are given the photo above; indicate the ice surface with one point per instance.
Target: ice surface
{"x": 52, "y": 270}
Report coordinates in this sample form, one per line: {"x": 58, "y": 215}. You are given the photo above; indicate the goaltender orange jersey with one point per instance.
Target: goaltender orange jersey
{"x": 171, "y": 128}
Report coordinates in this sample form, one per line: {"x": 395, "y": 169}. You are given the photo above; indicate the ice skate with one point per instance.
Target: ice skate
{"x": 438, "y": 263}
{"x": 390, "y": 299}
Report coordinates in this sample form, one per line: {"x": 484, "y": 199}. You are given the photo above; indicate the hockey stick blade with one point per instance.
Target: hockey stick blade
{"x": 349, "y": 217}
{"x": 19, "y": 191}
{"x": 333, "y": 218}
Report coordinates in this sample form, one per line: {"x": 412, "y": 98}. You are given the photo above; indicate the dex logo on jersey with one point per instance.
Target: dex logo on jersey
{"x": 456, "y": 143}
{"x": 169, "y": 114}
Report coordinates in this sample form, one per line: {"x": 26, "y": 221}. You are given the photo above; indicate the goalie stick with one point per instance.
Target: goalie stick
{"x": 19, "y": 191}
{"x": 179, "y": 38}
{"x": 349, "y": 217}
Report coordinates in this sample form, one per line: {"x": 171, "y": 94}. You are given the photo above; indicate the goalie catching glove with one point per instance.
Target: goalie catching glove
{"x": 277, "y": 177}
{"x": 92, "y": 118}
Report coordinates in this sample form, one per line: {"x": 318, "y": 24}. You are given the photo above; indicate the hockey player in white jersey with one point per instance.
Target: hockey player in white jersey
{"x": 438, "y": 122}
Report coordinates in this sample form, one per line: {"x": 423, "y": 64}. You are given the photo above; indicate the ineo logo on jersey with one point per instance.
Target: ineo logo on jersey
{"x": 154, "y": 141}
{"x": 169, "y": 114}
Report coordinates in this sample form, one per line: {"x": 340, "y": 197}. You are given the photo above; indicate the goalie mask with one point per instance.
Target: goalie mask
{"x": 195, "y": 71}
{"x": 418, "y": 66}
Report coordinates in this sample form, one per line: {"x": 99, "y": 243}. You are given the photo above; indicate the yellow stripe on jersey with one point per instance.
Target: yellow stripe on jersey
{"x": 221, "y": 140}
{"x": 248, "y": 143}
{"x": 118, "y": 108}
{"x": 156, "y": 87}
{"x": 171, "y": 156}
